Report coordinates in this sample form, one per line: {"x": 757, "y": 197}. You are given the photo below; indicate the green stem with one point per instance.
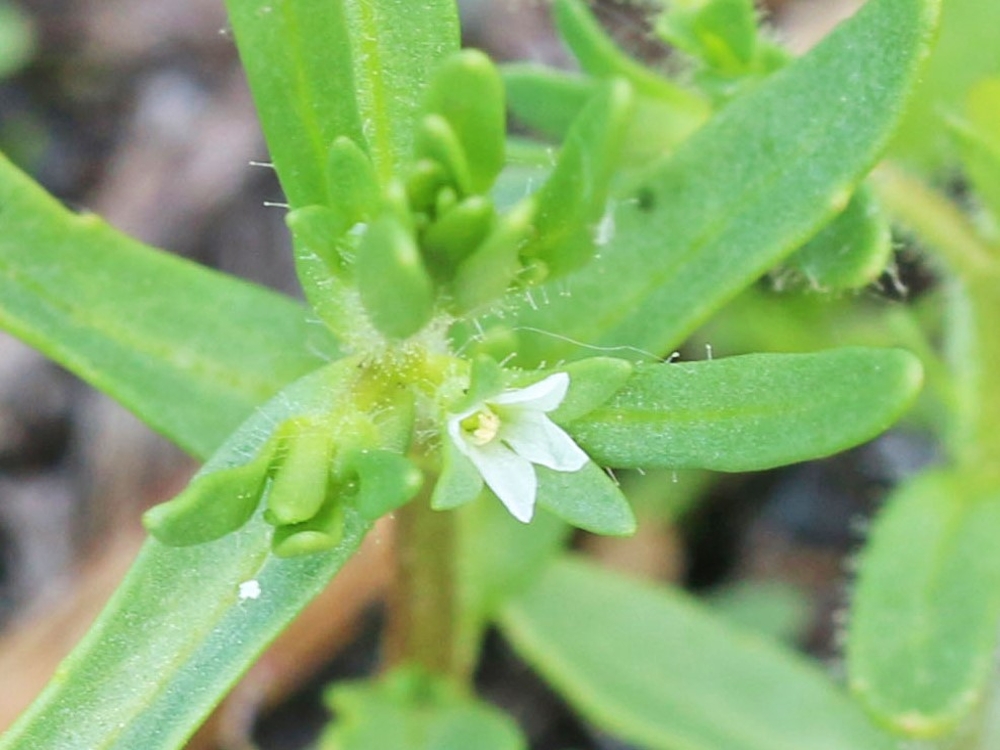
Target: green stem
{"x": 974, "y": 308}
{"x": 423, "y": 620}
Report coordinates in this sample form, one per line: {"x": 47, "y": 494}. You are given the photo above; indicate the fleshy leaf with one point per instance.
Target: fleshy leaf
{"x": 750, "y": 412}
{"x": 651, "y": 666}
{"x": 573, "y": 199}
{"x": 850, "y": 251}
{"x": 189, "y": 351}
{"x": 922, "y": 638}
{"x": 701, "y": 225}
{"x": 177, "y": 634}
{"x": 588, "y": 499}
{"x": 468, "y": 92}
{"x": 321, "y": 69}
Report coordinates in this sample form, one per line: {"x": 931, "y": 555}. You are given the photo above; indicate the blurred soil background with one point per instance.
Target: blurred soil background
{"x": 138, "y": 110}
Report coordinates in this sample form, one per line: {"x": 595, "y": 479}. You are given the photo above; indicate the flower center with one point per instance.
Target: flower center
{"x": 482, "y": 427}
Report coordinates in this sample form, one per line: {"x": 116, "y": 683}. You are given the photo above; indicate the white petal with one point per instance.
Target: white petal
{"x": 511, "y": 477}
{"x": 535, "y": 437}
{"x": 545, "y": 395}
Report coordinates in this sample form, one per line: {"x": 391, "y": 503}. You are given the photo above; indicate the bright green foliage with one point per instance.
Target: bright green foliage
{"x": 320, "y": 70}
{"x": 588, "y": 499}
{"x": 922, "y": 635}
{"x": 750, "y": 412}
{"x": 468, "y": 93}
{"x": 390, "y": 143}
{"x": 173, "y": 641}
{"x": 188, "y": 350}
{"x": 299, "y": 455}
{"x": 410, "y": 710}
{"x": 395, "y": 287}
{"x": 742, "y": 193}
{"x": 653, "y": 667}
{"x": 849, "y": 252}
{"x": 574, "y": 198}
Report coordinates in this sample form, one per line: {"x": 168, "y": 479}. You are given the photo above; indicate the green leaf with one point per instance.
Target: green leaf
{"x": 922, "y": 638}
{"x": 320, "y": 69}
{"x": 163, "y": 654}
{"x": 849, "y": 252}
{"x": 189, "y": 351}
{"x": 468, "y": 92}
{"x": 588, "y": 499}
{"x": 700, "y": 226}
{"x": 545, "y": 99}
{"x": 396, "y": 290}
{"x": 574, "y": 198}
{"x": 179, "y": 631}
{"x": 410, "y": 710}
{"x": 750, "y": 412}
{"x": 652, "y": 667}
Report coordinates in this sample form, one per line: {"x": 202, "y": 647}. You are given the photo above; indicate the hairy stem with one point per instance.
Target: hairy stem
{"x": 422, "y": 626}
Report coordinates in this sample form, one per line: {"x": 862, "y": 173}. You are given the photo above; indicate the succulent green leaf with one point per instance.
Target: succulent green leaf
{"x": 386, "y": 481}
{"x": 459, "y": 482}
{"x": 849, "y": 252}
{"x": 922, "y": 636}
{"x": 410, "y": 710}
{"x": 588, "y": 499}
{"x": 592, "y": 381}
{"x": 750, "y": 412}
{"x": 320, "y": 533}
{"x": 189, "y": 351}
{"x": 456, "y": 234}
{"x": 321, "y": 69}
{"x": 395, "y": 288}
{"x": 188, "y": 621}
{"x": 743, "y": 192}
{"x": 468, "y": 92}
{"x": 651, "y": 666}
{"x": 574, "y": 199}
{"x": 437, "y": 141}
{"x": 545, "y": 99}
{"x": 487, "y": 273}
{"x": 302, "y": 472}
{"x": 214, "y": 504}
{"x": 351, "y": 181}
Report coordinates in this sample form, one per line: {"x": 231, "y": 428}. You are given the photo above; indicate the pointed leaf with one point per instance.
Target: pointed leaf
{"x": 179, "y": 632}
{"x": 702, "y": 225}
{"x": 320, "y": 69}
{"x": 189, "y": 351}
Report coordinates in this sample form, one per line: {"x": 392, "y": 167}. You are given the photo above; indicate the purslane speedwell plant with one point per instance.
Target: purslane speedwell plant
{"x": 488, "y": 333}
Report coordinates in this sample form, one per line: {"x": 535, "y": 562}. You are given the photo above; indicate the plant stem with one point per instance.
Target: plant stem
{"x": 974, "y": 307}
{"x": 422, "y": 626}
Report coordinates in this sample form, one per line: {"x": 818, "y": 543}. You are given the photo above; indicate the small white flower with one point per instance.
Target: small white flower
{"x": 506, "y": 434}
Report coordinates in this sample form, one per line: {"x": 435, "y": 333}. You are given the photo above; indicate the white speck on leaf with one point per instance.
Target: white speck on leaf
{"x": 249, "y": 590}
